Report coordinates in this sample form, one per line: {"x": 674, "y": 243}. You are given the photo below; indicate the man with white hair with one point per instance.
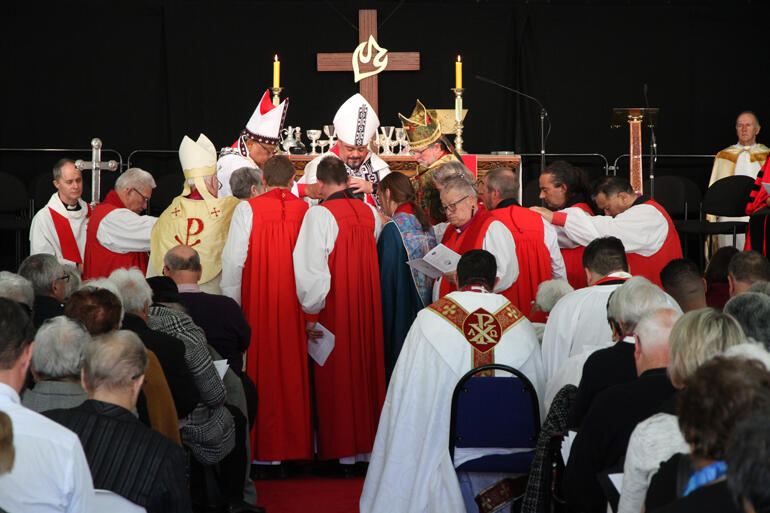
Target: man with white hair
{"x": 50, "y": 472}
{"x": 752, "y": 311}
{"x": 59, "y": 344}
{"x": 198, "y": 217}
{"x": 603, "y": 437}
{"x": 474, "y": 228}
{"x": 18, "y": 288}
{"x": 49, "y": 283}
{"x": 59, "y": 228}
{"x": 125, "y": 456}
{"x": 257, "y": 143}
{"x": 355, "y": 124}
{"x": 118, "y": 236}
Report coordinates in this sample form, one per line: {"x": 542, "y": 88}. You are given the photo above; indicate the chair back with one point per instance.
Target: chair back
{"x": 495, "y": 412}
{"x": 13, "y": 194}
{"x": 168, "y": 187}
{"x": 728, "y": 196}
{"x": 108, "y": 501}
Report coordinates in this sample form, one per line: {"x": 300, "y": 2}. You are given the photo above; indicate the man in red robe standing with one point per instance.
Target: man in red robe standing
{"x": 338, "y": 285}
{"x": 257, "y": 272}
{"x": 117, "y": 235}
{"x": 537, "y": 250}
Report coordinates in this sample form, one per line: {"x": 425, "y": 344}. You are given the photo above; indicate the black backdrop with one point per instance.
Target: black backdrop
{"x": 141, "y": 74}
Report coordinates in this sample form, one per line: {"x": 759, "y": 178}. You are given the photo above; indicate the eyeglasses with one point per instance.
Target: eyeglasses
{"x": 418, "y": 152}
{"x": 271, "y": 150}
{"x": 145, "y": 198}
{"x": 66, "y": 277}
{"x": 452, "y": 206}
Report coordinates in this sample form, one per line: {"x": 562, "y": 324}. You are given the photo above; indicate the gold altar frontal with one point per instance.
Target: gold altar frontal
{"x": 407, "y": 165}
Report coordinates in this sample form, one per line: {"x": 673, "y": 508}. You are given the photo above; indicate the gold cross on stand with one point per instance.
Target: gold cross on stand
{"x": 369, "y": 59}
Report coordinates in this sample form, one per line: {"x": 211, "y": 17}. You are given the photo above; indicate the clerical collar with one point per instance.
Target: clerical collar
{"x": 574, "y": 200}
{"x": 188, "y": 287}
{"x": 70, "y": 208}
{"x": 466, "y": 225}
{"x": 613, "y": 278}
{"x": 346, "y": 193}
{"x": 641, "y": 200}
{"x": 508, "y": 202}
{"x": 475, "y": 288}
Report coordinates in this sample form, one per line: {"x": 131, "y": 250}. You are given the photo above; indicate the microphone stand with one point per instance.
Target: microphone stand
{"x": 543, "y": 115}
{"x": 653, "y": 149}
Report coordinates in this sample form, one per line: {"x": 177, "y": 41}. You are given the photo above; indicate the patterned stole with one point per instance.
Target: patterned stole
{"x": 481, "y": 329}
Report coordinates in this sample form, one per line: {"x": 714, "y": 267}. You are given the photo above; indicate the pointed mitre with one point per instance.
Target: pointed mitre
{"x": 265, "y": 124}
{"x": 422, "y": 127}
{"x": 355, "y": 121}
{"x": 198, "y": 158}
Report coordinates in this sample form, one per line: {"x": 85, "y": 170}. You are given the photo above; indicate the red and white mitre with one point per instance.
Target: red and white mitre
{"x": 267, "y": 121}
{"x": 356, "y": 122}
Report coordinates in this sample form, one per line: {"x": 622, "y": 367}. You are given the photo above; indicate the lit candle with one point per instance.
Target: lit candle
{"x": 459, "y": 73}
{"x": 276, "y": 72}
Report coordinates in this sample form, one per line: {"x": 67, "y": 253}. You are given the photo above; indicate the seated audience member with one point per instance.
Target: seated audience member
{"x": 603, "y": 436}
{"x": 548, "y": 294}
{"x": 101, "y": 312}
{"x": 125, "y": 456}
{"x": 55, "y": 365}
{"x": 49, "y": 283}
{"x": 682, "y": 280}
{"x": 752, "y": 311}
{"x": 414, "y": 424}
{"x": 578, "y": 322}
{"x": 50, "y": 471}
{"x": 7, "y": 452}
{"x": 73, "y": 280}
{"x": 615, "y": 364}
{"x": 695, "y": 338}
{"x": 246, "y": 183}
{"x": 17, "y": 288}
{"x": 745, "y": 268}
{"x": 136, "y": 297}
{"x": 763, "y": 287}
{"x": 748, "y": 463}
{"x": 717, "y": 287}
{"x": 722, "y": 392}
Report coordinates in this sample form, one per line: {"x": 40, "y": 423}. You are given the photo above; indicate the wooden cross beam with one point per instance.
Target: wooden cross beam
{"x": 396, "y": 61}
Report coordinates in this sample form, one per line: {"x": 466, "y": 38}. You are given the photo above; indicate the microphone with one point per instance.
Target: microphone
{"x": 511, "y": 89}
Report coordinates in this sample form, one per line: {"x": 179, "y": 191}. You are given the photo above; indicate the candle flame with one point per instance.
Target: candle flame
{"x": 459, "y": 59}
{"x": 276, "y": 58}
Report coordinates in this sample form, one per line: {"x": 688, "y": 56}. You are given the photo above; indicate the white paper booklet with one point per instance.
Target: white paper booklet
{"x": 321, "y": 349}
{"x": 221, "y": 366}
{"x": 436, "y": 262}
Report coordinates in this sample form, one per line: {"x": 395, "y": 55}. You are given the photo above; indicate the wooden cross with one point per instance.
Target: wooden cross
{"x": 397, "y": 61}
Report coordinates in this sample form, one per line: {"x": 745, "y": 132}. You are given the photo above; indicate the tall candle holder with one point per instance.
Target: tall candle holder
{"x": 458, "y": 118}
{"x": 276, "y": 92}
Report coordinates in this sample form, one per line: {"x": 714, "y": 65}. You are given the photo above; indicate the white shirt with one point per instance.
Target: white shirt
{"x": 641, "y": 228}
{"x": 236, "y": 250}
{"x": 578, "y": 320}
{"x": 228, "y": 163}
{"x": 551, "y": 240}
{"x": 50, "y": 472}
{"x": 315, "y": 242}
{"x": 410, "y": 469}
{"x": 498, "y": 241}
{"x": 371, "y": 162}
{"x": 43, "y": 237}
{"x": 124, "y": 231}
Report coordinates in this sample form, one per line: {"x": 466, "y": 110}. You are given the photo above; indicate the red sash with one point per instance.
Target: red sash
{"x": 471, "y": 238}
{"x": 67, "y": 242}
{"x": 481, "y": 329}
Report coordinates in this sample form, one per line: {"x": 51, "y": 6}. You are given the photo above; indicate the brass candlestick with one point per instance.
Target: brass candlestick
{"x": 458, "y": 119}
{"x": 276, "y": 92}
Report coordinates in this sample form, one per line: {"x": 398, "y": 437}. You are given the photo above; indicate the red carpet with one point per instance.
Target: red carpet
{"x": 310, "y": 494}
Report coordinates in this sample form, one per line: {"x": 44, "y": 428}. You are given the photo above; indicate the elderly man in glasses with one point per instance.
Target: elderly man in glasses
{"x": 49, "y": 281}
{"x": 474, "y": 228}
{"x": 118, "y": 235}
{"x": 199, "y": 217}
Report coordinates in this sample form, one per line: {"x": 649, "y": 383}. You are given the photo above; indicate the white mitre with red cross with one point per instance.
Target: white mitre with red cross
{"x": 265, "y": 124}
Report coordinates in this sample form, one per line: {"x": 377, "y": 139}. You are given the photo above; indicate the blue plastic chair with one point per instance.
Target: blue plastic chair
{"x": 495, "y": 412}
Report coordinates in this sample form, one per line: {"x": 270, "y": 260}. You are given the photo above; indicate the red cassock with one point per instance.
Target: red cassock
{"x": 471, "y": 237}
{"x": 573, "y": 257}
{"x": 100, "y": 261}
{"x": 532, "y": 254}
{"x": 350, "y": 387}
{"x": 650, "y": 266}
{"x": 758, "y": 201}
{"x": 277, "y": 357}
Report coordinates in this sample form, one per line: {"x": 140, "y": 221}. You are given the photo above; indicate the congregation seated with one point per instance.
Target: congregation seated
{"x": 695, "y": 338}
{"x": 50, "y": 471}
{"x": 136, "y": 297}
{"x": 718, "y": 396}
{"x": 48, "y": 281}
{"x": 614, "y": 365}
{"x": 17, "y": 288}
{"x": 414, "y": 424}
{"x": 752, "y": 311}
{"x": 682, "y": 280}
{"x": 745, "y": 268}
{"x": 763, "y": 287}
{"x": 73, "y": 280}
{"x": 124, "y": 455}
{"x": 56, "y": 365}
{"x": 548, "y": 294}
{"x": 717, "y": 286}
{"x": 748, "y": 462}
{"x": 607, "y": 425}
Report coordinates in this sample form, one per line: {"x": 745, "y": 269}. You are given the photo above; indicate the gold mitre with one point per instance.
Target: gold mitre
{"x": 422, "y": 127}
{"x": 198, "y": 159}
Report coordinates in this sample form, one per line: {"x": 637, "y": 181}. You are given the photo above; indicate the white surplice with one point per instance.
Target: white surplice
{"x": 124, "y": 231}
{"x": 551, "y": 241}
{"x": 315, "y": 243}
{"x": 410, "y": 469}
{"x": 372, "y": 169}
{"x": 498, "y": 241}
{"x": 229, "y": 161}
{"x": 236, "y": 251}
{"x": 43, "y": 237}
{"x": 578, "y": 319}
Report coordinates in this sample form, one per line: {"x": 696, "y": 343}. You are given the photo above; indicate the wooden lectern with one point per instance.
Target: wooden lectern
{"x": 635, "y": 117}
